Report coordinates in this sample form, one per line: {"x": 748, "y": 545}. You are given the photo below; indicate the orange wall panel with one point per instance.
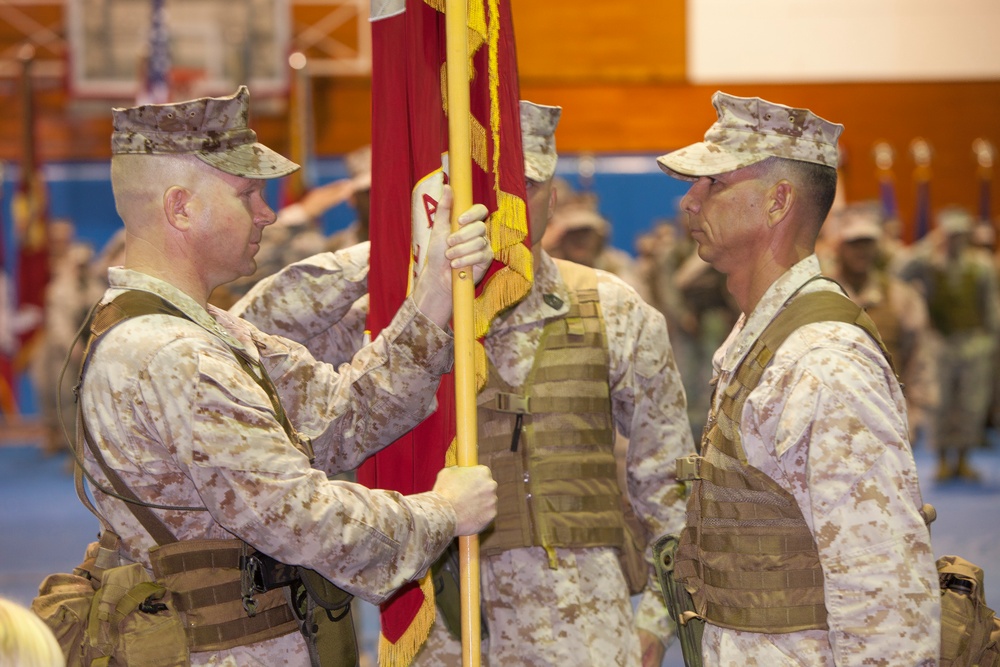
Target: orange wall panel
{"x": 585, "y": 40}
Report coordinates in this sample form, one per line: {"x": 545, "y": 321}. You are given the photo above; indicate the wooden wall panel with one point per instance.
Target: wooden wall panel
{"x": 570, "y": 40}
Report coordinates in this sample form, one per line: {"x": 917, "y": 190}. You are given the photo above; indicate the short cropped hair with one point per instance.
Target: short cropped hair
{"x": 817, "y": 182}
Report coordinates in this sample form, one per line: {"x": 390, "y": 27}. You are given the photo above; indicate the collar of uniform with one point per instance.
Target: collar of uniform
{"x": 120, "y": 278}
{"x": 774, "y": 298}
{"x": 535, "y": 306}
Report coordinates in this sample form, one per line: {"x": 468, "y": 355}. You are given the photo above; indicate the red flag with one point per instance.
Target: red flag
{"x": 409, "y": 167}
{"x": 30, "y": 212}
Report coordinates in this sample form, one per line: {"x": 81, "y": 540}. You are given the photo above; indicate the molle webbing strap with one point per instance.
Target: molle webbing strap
{"x": 805, "y": 309}
{"x": 206, "y": 579}
{"x": 559, "y": 488}
{"x": 241, "y": 631}
{"x": 560, "y": 535}
{"x": 593, "y": 438}
{"x": 225, "y": 555}
{"x": 809, "y": 616}
{"x": 810, "y": 578}
{"x": 559, "y": 373}
{"x": 539, "y": 405}
{"x": 208, "y": 596}
{"x": 552, "y": 470}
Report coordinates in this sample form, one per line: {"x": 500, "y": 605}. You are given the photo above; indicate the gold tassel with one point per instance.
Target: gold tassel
{"x": 405, "y": 650}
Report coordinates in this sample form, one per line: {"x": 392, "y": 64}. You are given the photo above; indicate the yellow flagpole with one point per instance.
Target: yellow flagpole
{"x": 463, "y": 289}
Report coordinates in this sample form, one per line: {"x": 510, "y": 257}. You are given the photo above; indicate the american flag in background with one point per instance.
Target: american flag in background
{"x": 155, "y": 87}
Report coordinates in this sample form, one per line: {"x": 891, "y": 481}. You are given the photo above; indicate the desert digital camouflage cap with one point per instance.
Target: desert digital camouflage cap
{"x": 749, "y": 130}
{"x": 582, "y": 215}
{"x": 538, "y": 139}
{"x": 856, "y": 223}
{"x": 954, "y": 220}
{"x": 212, "y": 128}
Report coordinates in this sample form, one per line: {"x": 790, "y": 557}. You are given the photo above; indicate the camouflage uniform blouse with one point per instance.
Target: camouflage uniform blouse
{"x": 828, "y": 423}
{"x": 649, "y": 407}
{"x": 183, "y": 424}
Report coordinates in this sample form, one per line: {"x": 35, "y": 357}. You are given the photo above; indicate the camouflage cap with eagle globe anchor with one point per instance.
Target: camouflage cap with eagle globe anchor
{"x": 538, "y": 139}
{"x": 214, "y": 129}
{"x": 750, "y": 130}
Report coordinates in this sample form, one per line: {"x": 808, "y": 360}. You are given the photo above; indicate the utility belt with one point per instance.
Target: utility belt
{"x": 232, "y": 595}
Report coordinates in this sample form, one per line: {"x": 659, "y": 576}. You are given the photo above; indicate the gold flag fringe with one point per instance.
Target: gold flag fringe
{"x": 405, "y": 650}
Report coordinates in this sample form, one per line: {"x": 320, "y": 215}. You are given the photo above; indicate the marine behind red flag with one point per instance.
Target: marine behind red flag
{"x": 409, "y": 168}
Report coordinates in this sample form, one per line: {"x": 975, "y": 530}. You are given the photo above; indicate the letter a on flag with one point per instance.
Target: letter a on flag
{"x": 409, "y": 168}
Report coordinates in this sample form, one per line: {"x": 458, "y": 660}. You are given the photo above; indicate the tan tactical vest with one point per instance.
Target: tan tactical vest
{"x": 746, "y": 554}
{"x": 228, "y": 593}
{"x": 955, "y": 308}
{"x": 550, "y": 442}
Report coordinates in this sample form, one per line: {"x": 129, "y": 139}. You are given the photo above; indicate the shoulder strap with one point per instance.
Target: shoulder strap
{"x": 802, "y": 310}
{"x": 134, "y": 303}
{"x": 102, "y": 319}
{"x": 578, "y": 278}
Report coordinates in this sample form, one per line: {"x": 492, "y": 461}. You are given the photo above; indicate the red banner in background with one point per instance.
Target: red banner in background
{"x": 409, "y": 147}
{"x": 29, "y": 209}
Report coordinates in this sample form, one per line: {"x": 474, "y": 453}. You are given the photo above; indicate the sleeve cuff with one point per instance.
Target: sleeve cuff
{"x": 430, "y": 346}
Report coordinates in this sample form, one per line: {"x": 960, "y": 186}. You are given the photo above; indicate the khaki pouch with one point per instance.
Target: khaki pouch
{"x": 133, "y": 623}
{"x": 63, "y": 603}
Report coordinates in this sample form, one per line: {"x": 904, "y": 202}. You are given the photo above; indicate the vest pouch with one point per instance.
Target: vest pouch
{"x": 970, "y": 631}
{"x": 326, "y": 620}
{"x": 63, "y": 603}
{"x": 132, "y": 622}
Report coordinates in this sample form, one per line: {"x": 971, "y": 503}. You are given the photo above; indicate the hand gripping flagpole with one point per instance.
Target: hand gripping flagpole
{"x": 463, "y": 295}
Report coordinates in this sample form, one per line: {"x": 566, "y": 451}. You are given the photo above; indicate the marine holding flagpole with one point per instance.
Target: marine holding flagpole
{"x": 209, "y": 443}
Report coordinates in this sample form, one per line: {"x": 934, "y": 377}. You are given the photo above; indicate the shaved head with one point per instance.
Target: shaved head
{"x": 139, "y": 182}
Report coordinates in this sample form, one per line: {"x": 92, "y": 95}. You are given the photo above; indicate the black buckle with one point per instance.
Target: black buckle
{"x": 960, "y": 585}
